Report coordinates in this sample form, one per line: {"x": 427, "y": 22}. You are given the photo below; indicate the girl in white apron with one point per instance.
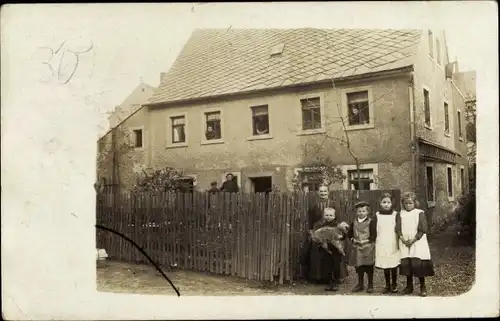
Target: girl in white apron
{"x": 363, "y": 232}
{"x": 411, "y": 228}
{"x": 387, "y": 254}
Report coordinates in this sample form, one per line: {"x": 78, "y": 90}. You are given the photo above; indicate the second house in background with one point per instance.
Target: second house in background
{"x": 261, "y": 104}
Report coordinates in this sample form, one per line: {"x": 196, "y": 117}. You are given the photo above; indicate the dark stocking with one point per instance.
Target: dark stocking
{"x": 369, "y": 272}
{"x": 387, "y": 276}
{"x": 423, "y": 290}
{"x": 409, "y": 285}
{"x": 394, "y": 275}
{"x": 361, "y": 277}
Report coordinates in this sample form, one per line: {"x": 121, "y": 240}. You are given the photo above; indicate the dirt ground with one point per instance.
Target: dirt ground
{"x": 454, "y": 264}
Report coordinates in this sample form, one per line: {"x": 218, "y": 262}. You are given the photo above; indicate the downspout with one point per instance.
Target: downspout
{"x": 413, "y": 138}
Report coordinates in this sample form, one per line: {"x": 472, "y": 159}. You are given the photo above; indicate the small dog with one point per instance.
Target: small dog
{"x": 331, "y": 235}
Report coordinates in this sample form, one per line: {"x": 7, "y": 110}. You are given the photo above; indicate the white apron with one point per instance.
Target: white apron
{"x": 387, "y": 254}
{"x": 409, "y": 226}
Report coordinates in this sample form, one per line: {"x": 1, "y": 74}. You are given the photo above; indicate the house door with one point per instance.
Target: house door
{"x": 263, "y": 184}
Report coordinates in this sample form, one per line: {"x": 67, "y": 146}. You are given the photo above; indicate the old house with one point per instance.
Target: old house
{"x": 264, "y": 103}
{"x": 120, "y": 153}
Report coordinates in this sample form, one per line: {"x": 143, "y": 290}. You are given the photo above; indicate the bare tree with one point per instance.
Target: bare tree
{"x": 470, "y": 128}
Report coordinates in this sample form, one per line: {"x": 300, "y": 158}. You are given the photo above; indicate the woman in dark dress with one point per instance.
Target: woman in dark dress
{"x": 320, "y": 266}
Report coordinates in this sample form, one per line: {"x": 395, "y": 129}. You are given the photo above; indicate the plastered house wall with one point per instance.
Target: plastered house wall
{"x": 387, "y": 144}
{"x": 129, "y": 160}
{"x": 430, "y": 75}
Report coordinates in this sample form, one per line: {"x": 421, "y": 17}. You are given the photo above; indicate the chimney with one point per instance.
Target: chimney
{"x": 162, "y": 77}
{"x": 451, "y": 69}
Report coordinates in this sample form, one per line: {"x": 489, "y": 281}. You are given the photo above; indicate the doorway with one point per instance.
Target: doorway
{"x": 262, "y": 184}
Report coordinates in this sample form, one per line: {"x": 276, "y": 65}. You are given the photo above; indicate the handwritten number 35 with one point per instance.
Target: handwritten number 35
{"x": 62, "y": 58}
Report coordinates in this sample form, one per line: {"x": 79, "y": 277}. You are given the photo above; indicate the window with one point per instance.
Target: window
{"x": 178, "y": 129}
{"x": 260, "y": 120}
{"x": 438, "y": 52}
{"x": 449, "y": 179}
{"x": 137, "y": 138}
{"x": 431, "y": 44}
{"x": 459, "y": 123}
{"x": 311, "y": 181}
{"x": 429, "y": 177}
{"x": 310, "y": 177}
{"x": 446, "y": 119}
{"x": 358, "y": 108}
{"x": 363, "y": 182}
{"x": 277, "y": 50}
{"x": 462, "y": 180}
{"x": 185, "y": 184}
{"x": 213, "y": 125}
{"x": 427, "y": 108}
{"x": 311, "y": 113}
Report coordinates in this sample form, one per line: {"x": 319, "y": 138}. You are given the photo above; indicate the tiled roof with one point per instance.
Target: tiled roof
{"x": 219, "y": 61}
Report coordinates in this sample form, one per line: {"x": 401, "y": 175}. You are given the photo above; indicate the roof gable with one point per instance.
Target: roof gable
{"x": 219, "y": 62}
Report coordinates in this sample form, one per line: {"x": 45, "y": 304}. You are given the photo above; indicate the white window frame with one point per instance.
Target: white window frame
{"x": 462, "y": 184}
{"x": 452, "y": 196}
{"x": 371, "y": 108}
{"x": 132, "y": 134}
{"x": 372, "y": 166}
{"x": 450, "y": 128}
{"x": 431, "y": 203}
{"x": 204, "y": 140}
{"x": 251, "y": 136}
{"x": 238, "y": 179}
{"x": 428, "y": 126}
{"x": 460, "y": 127}
{"x": 170, "y": 143}
{"x": 193, "y": 176}
{"x": 322, "y": 129}
{"x": 297, "y": 171}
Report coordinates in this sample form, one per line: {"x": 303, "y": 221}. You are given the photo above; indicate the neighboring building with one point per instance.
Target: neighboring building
{"x": 131, "y": 104}
{"x": 120, "y": 154}
{"x": 261, "y": 104}
{"x": 466, "y": 85}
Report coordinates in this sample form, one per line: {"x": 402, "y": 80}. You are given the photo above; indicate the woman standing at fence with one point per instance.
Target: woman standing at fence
{"x": 320, "y": 266}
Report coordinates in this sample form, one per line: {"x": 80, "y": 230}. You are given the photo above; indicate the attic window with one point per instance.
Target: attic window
{"x": 278, "y": 49}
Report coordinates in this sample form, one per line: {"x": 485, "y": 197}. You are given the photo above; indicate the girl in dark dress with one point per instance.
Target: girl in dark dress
{"x": 321, "y": 266}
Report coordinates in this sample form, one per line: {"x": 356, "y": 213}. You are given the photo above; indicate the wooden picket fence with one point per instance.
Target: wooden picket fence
{"x": 252, "y": 236}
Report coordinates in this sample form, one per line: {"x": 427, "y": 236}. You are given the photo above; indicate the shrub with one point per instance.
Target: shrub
{"x": 466, "y": 215}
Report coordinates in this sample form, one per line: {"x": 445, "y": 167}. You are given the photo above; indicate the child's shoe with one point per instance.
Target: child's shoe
{"x": 333, "y": 286}
{"x": 408, "y": 290}
{"x": 358, "y": 288}
{"x": 369, "y": 289}
{"x": 394, "y": 288}
{"x": 423, "y": 291}
{"x": 386, "y": 290}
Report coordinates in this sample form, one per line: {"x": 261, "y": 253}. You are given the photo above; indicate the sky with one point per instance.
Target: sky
{"x": 133, "y": 43}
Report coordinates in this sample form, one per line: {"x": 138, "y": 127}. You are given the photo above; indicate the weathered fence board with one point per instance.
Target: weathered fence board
{"x": 252, "y": 236}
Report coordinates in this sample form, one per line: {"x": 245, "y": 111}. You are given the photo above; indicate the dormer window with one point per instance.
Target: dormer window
{"x": 277, "y": 50}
